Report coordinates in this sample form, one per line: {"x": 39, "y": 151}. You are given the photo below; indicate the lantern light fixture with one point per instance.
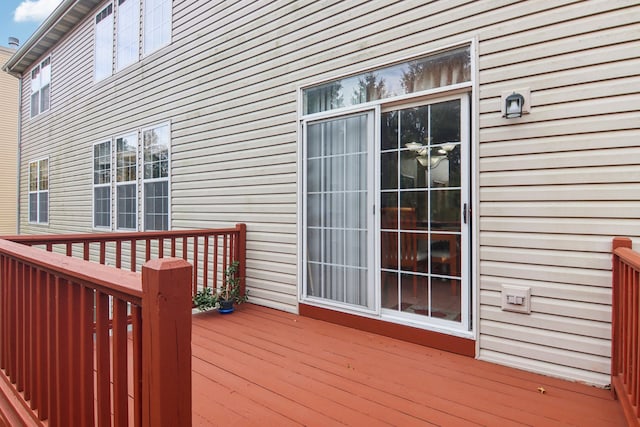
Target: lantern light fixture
{"x": 513, "y": 106}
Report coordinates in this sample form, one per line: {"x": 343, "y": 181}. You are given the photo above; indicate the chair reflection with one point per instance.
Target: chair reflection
{"x": 410, "y": 250}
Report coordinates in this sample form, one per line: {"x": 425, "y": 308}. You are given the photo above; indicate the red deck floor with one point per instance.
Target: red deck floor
{"x": 269, "y": 368}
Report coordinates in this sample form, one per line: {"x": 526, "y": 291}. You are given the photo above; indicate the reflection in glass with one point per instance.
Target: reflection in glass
{"x": 420, "y": 197}
{"x": 443, "y": 69}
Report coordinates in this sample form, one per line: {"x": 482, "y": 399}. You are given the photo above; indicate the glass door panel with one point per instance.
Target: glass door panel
{"x": 421, "y": 171}
{"x": 337, "y": 205}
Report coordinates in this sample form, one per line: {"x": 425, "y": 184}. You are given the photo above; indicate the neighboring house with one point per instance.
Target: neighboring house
{"x": 364, "y": 145}
{"x": 9, "y": 145}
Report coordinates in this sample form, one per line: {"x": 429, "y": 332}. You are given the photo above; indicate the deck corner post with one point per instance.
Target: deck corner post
{"x": 618, "y": 242}
{"x": 166, "y": 343}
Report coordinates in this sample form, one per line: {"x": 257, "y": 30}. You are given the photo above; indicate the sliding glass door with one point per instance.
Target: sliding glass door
{"x": 338, "y": 218}
{"x": 423, "y": 201}
{"x": 385, "y": 212}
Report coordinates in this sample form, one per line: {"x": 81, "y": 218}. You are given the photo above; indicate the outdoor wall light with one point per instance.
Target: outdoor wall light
{"x": 513, "y": 106}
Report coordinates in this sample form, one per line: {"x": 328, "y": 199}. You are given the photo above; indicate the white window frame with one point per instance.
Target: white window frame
{"x": 40, "y": 80}
{"x": 103, "y": 45}
{"x": 38, "y": 192}
{"x": 127, "y": 38}
{"x": 151, "y": 180}
{"x": 133, "y": 182}
{"x": 149, "y": 30}
{"x": 106, "y": 185}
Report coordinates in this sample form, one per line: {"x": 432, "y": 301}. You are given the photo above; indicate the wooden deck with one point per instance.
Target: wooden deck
{"x": 265, "y": 367}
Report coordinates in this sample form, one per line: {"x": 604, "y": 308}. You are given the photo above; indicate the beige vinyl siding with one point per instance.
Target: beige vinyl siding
{"x": 551, "y": 189}
{"x": 558, "y": 185}
{"x": 9, "y": 145}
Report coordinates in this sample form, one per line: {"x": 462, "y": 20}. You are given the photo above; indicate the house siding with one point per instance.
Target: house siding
{"x": 9, "y": 143}
{"x": 550, "y": 189}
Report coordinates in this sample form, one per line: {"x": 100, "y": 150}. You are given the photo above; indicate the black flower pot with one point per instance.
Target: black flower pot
{"x": 226, "y": 306}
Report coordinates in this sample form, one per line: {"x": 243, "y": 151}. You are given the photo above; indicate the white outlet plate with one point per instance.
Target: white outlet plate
{"x": 516, "y": 298}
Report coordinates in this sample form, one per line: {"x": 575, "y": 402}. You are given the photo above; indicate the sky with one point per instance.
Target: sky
{"x": 21, "y": 18}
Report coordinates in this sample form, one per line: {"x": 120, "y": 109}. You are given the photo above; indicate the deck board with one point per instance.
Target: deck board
{"x": 260, "y": 366}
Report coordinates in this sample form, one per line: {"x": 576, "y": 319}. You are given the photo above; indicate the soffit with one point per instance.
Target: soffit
{"x": 63, "y": 19}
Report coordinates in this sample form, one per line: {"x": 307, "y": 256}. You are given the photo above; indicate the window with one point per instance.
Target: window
{"x": 127, "y": 33}
{"x": 104, "y": 43}
{"x": 39, "y": 191}
{"x": 123, "y": 39}
{"x": 156, "y": 178}
{"x": 41, "y": 87}
{"x": 102, "y": 185}
{"x": 119, "y": 163}
{"x": 157, "y": 24}
{"x": 126, "y": 182}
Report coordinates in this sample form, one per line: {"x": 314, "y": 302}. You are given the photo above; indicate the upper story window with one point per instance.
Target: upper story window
{"x": 157, "y": 24}
{"x": 104, "y": 43}
{"x": 120, "y": 45}
{"x": 41, "y": 87}
{"x": 39, "y": 191}
{"x": 127, "y": 33}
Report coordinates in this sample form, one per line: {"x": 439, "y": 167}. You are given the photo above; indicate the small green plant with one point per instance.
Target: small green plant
{"x": 231, "y": 286}
{"x": 205, "y": 299}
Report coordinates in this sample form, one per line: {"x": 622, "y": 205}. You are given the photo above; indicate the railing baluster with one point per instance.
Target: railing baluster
{"x": 85, "y": 251}
{"x": 173, "y": 247}
{"x": 224, "y": 256}
{"x": 147, "y": 250}
{"x": 136, "y": 332}
{"x": 118, "y": 253}
{"x": 184, "y": 247}
{"x": 42, "y": 374}
{"x": 160, "y": 247}
{"x": 103, "y": 365}
{"x": 133, "y": 263}
{"x": 103, "y": 252}
{"x": 19, "y": 377}
{"x": 52, "y": 362}
{"x": 119, "y": 351}
{"x": 75, "y": 350}
{"x": 29, "y": 340}
{"x": 85, "y": 374}
{"x": 194, "y": 287}
{"x": 205, "y": 262}
{"x": 215, "y": 261}
{"x": 62, "y": 349}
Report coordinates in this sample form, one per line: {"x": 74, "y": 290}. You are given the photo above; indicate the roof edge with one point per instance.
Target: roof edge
{"x": 57, "y": 13}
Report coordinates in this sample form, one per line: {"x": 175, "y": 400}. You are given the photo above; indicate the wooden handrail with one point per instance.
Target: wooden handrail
{"x": 625, "y": 325}
{"x": 68, "y": 329}
{"x": 210, "y": 251}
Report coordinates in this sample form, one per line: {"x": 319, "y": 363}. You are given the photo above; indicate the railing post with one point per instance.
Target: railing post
{"x": 166, "y": 343}
{"x": 618, "y": 242}
{"x": 242, "y": 256}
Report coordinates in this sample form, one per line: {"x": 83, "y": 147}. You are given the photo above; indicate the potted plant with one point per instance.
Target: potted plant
{"x": 230, "y": 291}
{"x": 205, "y": 299}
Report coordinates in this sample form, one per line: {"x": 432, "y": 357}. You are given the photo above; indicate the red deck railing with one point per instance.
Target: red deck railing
{"x": 210, "y": 251}
{"x": 87, "y": 344}
{"x": 625, "y": 357}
